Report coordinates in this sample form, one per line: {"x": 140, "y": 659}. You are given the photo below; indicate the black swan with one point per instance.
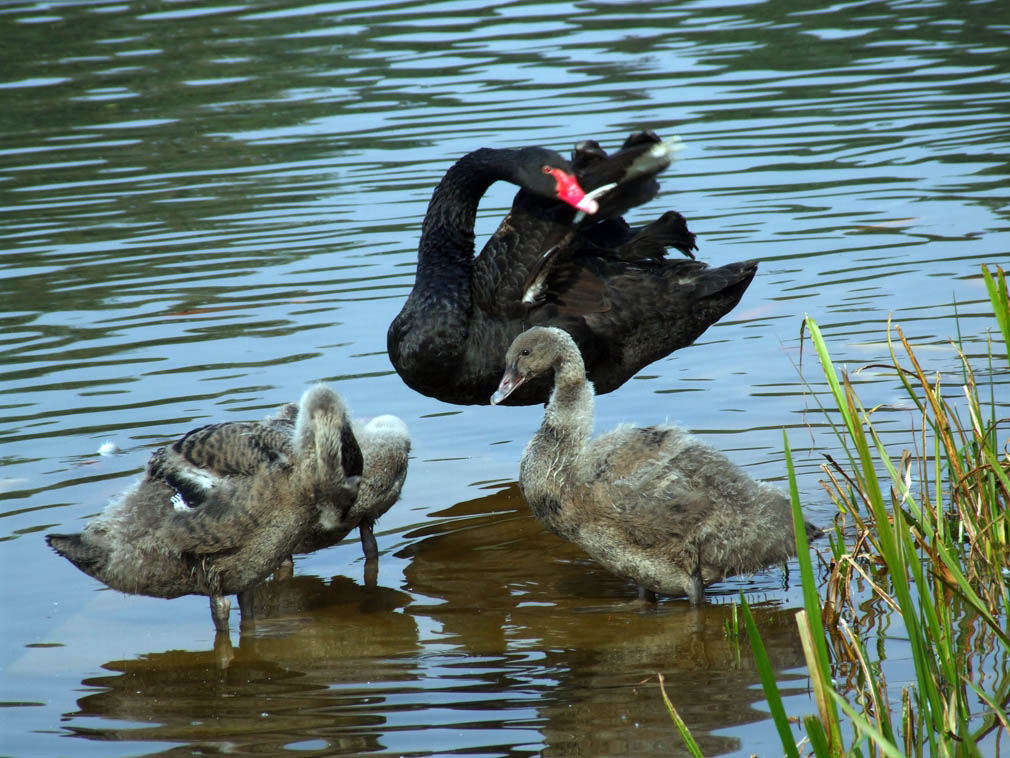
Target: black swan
{"x": 653, "y": 504}
{"x": 588, "y": 272}
{"x": 220, "y": 509}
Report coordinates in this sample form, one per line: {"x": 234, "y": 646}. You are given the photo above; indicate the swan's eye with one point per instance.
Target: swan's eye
{"x": 546, "y": 169}
{"x": 524, "y": 351}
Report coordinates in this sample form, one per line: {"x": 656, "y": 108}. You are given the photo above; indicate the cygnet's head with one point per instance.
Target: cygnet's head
{"x": 532, "y": 353}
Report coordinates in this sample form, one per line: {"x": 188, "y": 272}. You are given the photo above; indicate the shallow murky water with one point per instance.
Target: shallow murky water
{"x": 205, "y": 208}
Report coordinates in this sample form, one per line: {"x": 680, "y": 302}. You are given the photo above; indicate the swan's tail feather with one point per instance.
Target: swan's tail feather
{"x": 87, "y": 558}
{"x": 652, "y": 241}
{"x": 625, "y": 178}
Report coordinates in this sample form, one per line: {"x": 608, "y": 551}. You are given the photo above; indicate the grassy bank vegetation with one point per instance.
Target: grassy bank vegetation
{"x": 919, "y": 551}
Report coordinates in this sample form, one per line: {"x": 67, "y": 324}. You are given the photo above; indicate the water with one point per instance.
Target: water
{"x": 206, "y": 208}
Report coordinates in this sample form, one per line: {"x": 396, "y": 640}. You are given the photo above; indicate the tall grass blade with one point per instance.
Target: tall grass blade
{"x": 828, "y": 368}
{"x": 811, "y": 623}
{"x": 886, "y": 746}
{"x": 817, "y": 736}
{"x": 685, "y": 733}
{"x": 768, "y": 683}
{"x": 999, "y": 296}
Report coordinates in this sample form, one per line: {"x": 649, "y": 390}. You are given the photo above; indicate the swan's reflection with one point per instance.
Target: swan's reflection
{"x": 318, "y": 665}
{"x": 507, "y": 634}
{"x": 503, "y": 583}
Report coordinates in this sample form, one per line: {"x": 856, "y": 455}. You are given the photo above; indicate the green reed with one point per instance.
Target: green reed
{"x": 924, "y": 534}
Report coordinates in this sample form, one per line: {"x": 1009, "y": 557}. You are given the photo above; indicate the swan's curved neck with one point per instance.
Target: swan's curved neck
{"x": 569, "y": 412}
{"x": 447, "y": 238}
{"x": 551, "y": 461}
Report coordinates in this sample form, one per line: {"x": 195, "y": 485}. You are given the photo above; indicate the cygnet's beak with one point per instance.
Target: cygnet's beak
{"x": 509, "y": 382}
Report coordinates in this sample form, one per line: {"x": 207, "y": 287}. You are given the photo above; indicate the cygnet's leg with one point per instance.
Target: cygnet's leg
{"x": 695, "y": 585}
{"x": 647, "y": 596}
{"x": 368, "y": 544}
{"x": 286, "y": 569}
{"x": 695, "y": 589}
{"x": 246, "y": 606}
{"x": 223, "y": 651}
{"x": 371, "y": 575}
{"x": 371, "y": 550}
{"x": 220, "y": 607}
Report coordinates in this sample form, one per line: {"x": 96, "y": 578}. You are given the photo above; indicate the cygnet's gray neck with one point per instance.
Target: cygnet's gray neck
{"x": 570, "y": 409}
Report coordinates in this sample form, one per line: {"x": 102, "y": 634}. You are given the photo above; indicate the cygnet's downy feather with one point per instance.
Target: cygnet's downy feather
{"x": 653, "y": 504}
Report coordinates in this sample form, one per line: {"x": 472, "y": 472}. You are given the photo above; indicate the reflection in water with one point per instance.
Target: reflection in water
{"x": 207, "y": 207}
{"x": 525, "y": 637}
{"x": 498, "y": 582}
{"x": 321, "y": 664}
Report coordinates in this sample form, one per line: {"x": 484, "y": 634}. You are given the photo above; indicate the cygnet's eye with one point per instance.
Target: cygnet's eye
{"x": 524, "y": 351}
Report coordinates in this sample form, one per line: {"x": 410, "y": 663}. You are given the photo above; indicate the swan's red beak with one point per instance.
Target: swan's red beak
{"x": 567, "y": 188}
{"x": 509, "y": 382}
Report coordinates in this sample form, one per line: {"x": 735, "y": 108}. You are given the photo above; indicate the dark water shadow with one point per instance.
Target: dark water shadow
{"x": 502, "y": 630}
{"x": 500, "y": 583}
{"x": 314, "y": 668}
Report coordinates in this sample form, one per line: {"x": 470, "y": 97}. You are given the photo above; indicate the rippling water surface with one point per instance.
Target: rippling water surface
{"x": 207, "y": 207}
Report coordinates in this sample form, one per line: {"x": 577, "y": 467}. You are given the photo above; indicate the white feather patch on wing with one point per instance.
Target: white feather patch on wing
{"x": 200, "y": 477}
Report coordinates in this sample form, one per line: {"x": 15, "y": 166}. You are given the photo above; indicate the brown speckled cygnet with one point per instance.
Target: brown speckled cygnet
{"x": 653, "y": 504}
{"x": 218, "y": 510}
